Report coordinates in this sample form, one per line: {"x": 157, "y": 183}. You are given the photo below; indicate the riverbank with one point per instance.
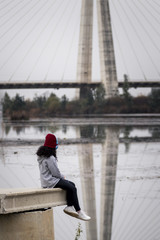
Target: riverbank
{"x": 93, "y": 104}
{"x": 92, "y": 119}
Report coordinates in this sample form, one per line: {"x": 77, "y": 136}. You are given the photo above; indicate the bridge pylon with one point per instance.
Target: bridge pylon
{"x": 84, "y": 65}
{"x": 106, "y": 48}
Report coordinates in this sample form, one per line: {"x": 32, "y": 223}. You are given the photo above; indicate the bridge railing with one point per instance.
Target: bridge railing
{"x": 57, "y": 85}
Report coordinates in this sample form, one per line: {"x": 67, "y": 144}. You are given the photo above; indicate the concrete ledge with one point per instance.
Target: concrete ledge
{"x": 21, "y": 200}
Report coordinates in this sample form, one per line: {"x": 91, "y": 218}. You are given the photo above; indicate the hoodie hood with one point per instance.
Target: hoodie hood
{"x": 40, "y": 159}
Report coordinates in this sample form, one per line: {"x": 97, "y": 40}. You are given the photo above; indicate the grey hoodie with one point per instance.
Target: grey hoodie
{"x": 49, "y": 171}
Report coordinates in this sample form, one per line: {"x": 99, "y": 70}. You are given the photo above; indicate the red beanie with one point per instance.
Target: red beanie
{"x": 50, "y": 141}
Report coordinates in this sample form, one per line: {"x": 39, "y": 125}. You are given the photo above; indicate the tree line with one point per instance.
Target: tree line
{"x": 94, "y": 102}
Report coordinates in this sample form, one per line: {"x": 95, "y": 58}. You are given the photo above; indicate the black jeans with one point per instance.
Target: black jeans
{"x": 71, "y": 193}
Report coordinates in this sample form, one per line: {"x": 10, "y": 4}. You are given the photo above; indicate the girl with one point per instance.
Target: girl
{"x": 51, "y": 177}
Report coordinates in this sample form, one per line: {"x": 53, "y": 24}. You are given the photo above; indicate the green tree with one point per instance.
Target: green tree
{"x": 86, "y": 100}
{"x": 64, "y": 102}
{"x": 125, "y": 87}
{"x": 99, "y": 94}
{"x": 7, "y": 103}
{"x": 127, "y": 96}
{"x": 18, "y": 103}
{"x": 86, "y": 94}
{"x": 52, "y": 104}
{"x": 154, "y": 99}
{"x": 39, "y": 101}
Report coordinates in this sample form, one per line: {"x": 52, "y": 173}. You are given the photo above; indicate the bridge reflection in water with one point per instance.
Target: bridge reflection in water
{"x": 109, "y": 166}
{"x": 107, "y": 186}
{"x": 98, "y": 189}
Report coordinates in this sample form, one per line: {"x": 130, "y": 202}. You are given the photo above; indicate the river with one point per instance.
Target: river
{"x": 115, "y": 164}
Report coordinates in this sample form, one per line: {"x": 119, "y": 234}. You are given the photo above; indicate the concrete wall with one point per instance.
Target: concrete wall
{"x": 26, "y": 214}
{"x": 36, "y": 225}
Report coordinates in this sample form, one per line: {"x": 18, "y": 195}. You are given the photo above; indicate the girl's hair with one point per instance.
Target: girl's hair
{"x": 46, "y": 151}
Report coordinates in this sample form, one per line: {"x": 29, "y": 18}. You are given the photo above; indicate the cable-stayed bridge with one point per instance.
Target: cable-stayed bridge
{"x": 63, "y": 43}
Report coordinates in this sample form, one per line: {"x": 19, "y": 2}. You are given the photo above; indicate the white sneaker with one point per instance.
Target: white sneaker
{"x": 70, "y": 211}
{"x": 83, "y": 216}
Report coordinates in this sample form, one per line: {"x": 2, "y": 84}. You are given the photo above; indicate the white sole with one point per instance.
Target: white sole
{"x": 71, "y": 213}
{"x": 83, "y": 218}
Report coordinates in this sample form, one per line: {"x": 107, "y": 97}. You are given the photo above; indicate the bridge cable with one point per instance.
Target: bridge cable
{"x": 153, "y": 15}
{"x": 153, "y": 27}
{"x": 128, "y": 191}
{"x": 150, "y": 25}
{"x": 138, "y": 207}
{"x": 150, "y": 235}
{"x": 6, "y": 5}
{"x": 148, "y": 222}
{"x": 131, "y": 44}
{"x": 137, "y": 210}
{"x": 70, "y": 48}
{"x": 58, "y": 227}
{"x": 1, "y": 16}
{"x": 142, "y": 41}
{"x": 14, "y": 51}
{"x": 37, "y": 38}
{"x": 120, "y": 49}
{"x": 135, "y": 30}
{"x": 18, "y": 20}
{"x": 26, "y": 170}
{"x": 16, "y": 176}
{"x": 5, "y": 180}
{"x": 147, "y": 176}
{"x": 146, "y": 194}
{"x": 155, "y": 3}
{"x": 2, "y": 1}
{"x": 48, "y": 40}
{"x": 53, "y": 58}
{"x": 22, "y": 28}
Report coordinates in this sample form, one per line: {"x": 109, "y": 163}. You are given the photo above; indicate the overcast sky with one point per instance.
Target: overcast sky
{"x": 39, "y": 39}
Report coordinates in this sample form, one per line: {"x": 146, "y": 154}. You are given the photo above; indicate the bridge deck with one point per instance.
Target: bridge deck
{"x": 21, "y": 200}
{"x": 57, "y": 85}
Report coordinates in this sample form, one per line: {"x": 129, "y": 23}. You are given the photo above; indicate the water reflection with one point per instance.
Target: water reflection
{"x": 155, "y": 131}
{"x": 109, "y": 168}
{"x": 88, "y": 188}
{"x": 92, "y": 132}
{"x": 127, "y": 132}
{"x": 116, "y": 171}
{"x": 12, "y": 130}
